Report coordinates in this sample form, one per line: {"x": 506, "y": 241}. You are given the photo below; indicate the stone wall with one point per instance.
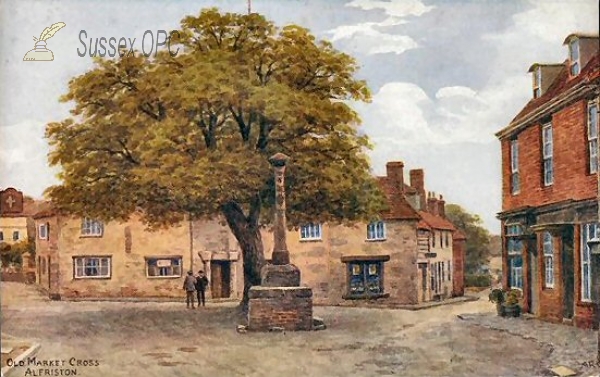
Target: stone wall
{"x": 322, "y": 269}
{"x": 128, "y": 244}
{"x": 288, "y": 308}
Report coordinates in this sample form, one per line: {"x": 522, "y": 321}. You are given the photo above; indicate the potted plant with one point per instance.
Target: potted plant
{"x": 511, "y": 307}
{"x": 497, "y": 296}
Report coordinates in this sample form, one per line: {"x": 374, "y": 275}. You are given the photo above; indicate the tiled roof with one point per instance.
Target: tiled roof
{"x": 436, "y": 222}
{"x": 423, "y": 225}
{"x": 399, "y": 208}
{"x": 45, "y": 209}
{"x": 562, "y": 83}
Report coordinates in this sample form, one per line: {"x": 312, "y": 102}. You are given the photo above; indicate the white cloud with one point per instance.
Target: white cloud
{"x": 368, "y": 37}
{"x": 388, "y": 43}
{"x": 455, "y": 91}
{"x": 347, "y": 31}
{"x": 402, "y": 8}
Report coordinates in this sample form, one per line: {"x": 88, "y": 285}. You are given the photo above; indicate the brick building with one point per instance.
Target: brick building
{"x": 550, "y": 187}
{"x": 409, "y": 256}
{"x": 16, "y": 222}
{"x": 16, "y": 210}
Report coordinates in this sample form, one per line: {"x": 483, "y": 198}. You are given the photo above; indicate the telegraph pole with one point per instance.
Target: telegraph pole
{"x": 249, "y": 7}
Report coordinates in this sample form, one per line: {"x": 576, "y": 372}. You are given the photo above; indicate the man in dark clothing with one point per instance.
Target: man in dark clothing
{"x": 189, "y": 287}
{"x": 201, "y": 284}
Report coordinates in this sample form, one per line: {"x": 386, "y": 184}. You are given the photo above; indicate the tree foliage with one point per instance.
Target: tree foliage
{"x": 478, "y": 238}
{"x": 12, "y": 255}
{"x": 191, "y": 134}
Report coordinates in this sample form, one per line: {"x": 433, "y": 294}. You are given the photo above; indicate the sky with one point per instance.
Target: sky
{"x": 445, "y": 75}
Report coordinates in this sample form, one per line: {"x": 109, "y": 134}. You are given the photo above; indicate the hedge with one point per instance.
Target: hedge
{"x": 478, "y": 280}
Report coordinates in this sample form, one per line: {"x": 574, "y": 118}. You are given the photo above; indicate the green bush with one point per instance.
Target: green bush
{"x": 478, "y": 280}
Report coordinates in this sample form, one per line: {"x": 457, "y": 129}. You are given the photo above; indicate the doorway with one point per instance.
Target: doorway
{"x": 423, "y": 268}
{"x": 533, "y": 276}
{"x": 568, "y": 276}
{"x": 220, "y": 279}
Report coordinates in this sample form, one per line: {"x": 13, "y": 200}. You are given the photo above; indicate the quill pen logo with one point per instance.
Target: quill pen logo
{"x": 40, "y": 53}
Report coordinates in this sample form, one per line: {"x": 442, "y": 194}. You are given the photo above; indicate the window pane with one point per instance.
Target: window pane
{"x": 548, "y": 173}
{"x": 574, "y": 50}
{"x": 593, "y": 121}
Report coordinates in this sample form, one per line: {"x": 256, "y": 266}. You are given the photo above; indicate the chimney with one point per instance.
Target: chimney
{"x": 432, "y": 205}
{"x": 442, "y": 207}
{"x": 395, "y": 172}
{"x": 417, "y": 180}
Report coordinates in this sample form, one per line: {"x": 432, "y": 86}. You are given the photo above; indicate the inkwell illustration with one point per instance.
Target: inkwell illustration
{"x": 40, "y": 52}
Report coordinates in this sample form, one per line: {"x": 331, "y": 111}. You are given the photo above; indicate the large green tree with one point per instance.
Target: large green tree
{"x": 478, "y": 237}
{"x": 189, "y": 135}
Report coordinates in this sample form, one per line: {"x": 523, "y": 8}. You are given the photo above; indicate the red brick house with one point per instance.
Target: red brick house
{"x": 550, "y": 187}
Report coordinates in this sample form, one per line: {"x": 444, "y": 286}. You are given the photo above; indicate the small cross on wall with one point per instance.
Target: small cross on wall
{"x": 10, "y": 201}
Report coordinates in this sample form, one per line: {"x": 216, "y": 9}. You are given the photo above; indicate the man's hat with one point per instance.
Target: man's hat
{"x": 190, "y": 272}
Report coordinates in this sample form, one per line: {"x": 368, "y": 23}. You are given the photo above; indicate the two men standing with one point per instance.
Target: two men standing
{"x": 196, "y": 284}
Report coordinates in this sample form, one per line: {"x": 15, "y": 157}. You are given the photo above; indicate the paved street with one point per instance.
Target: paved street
{"x": 166, "y": 339}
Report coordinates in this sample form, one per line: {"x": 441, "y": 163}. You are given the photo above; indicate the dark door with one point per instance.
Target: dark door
{"x": 220, "y": 279}
{"x": 533, "y": 278}
{"x": 49, "y": 277}
{"x": 568, "y": 274}
{"x": 423, "y": 268}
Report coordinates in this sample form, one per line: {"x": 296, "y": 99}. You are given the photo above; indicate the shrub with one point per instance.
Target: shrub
{"x": 478, "y": 280}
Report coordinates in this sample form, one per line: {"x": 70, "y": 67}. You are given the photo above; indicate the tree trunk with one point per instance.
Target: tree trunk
{"x": 247, "y": 232}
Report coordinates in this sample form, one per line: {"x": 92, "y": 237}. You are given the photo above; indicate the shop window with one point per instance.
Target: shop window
{"x": 365, "y": 276}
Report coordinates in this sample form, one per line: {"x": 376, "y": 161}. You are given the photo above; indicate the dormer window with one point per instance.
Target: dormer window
{"x": 574, "y": 57}
{"x": 537, "y": 82}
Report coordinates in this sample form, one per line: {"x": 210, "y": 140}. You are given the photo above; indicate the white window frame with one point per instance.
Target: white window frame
{"x": 537, "y": 83}
{"x": 548, "y": 250}
{"x": 515, "y": 181}
{"x": 592, "y": 136}
{"x": 376, "y": 231}
{"x": 82, "y": 263}
{"x": 449, "y": 270}
{"x": 590, "y": 232}
{"x": 162, "y": 267}
{"x": 548, "y": 154}
{"x": 43, "y": 231}
{"x": 516, "y": 273}
{"x": 311, "y": 232}
{"x": 574, "y": 66}
{"x": 16, "y": 235}
{"x": 91, "y": 227}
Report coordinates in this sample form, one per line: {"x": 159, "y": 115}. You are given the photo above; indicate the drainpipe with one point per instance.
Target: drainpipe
{"x": 595, "y": 251}
{"x": 595, "y": 270}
